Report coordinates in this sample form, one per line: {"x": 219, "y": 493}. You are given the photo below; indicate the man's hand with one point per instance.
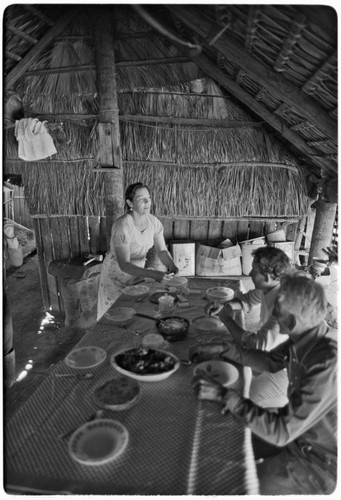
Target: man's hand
{"x": 212, "y": 309}
{"x": 205, "y": 388}
{"x": 226, "y": 312}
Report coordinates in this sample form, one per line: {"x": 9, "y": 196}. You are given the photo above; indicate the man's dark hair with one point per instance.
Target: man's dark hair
{"x": 271, "y": 260}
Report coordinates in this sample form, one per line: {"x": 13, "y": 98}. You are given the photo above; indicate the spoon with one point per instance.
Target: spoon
{"x": 94, "y": 416}
{"x": 78, "y": 375}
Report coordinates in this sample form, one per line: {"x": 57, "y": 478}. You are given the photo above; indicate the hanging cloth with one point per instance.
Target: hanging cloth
{"x": 35, "y": 142}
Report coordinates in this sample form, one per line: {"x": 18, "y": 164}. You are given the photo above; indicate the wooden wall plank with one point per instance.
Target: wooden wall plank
{"x": 57, "y": 244}
{"x": 215, "y": 230}
{"x": 198, "y": 230}
{"x": 94, "y": 231}
{"x": 83, "y": 235}
{"x": 242, "y": 230}
{"x": 181, "y": 230}
{"x": 64, "y": 233}
{"x": 74, "y": 236}
{"x": 49, "y": 256}
{"x": 230, "y": 231}
{"x": 256, "y": 229}
{"x": 42, "y": 267}
{"x": 104, "y": 244}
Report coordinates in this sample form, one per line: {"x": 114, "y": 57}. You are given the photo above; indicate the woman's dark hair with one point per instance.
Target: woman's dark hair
{"x": 131, "y": 191}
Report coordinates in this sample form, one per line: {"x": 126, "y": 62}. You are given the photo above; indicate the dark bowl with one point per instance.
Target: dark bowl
{"x": 173, "y": 328}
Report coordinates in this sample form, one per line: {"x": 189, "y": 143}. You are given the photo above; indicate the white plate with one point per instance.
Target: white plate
{"x": 85, "y": 357}
{"x": 207, "y": 324}
{"x": 136, "y": 290}
{"x": 221, "y": 371}
{"x": 220, "y": 293}
{"x": 98, "y": 442}
{"x": 176, "y": 281}
{"x": 120, "y": 315}
{"x": 147, "y": 377}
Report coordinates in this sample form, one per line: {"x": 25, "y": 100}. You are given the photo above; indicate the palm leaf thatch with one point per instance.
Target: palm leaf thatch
{"x": 192, "y": 171}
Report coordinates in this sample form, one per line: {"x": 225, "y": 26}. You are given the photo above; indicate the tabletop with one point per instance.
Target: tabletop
{"x": 177, "y": 444}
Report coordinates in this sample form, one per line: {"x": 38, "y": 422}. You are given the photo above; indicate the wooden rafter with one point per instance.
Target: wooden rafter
{"x": 120, "y": 64}
{"x": 294, "y": 35}
{"x": 225, "y": 81}
{"x": 36, "y": 12}
{"x": 319, "y": 75}
{"x": 38, "y": 48}
{"x": 20, "y": 33}
{"x": 274, "y": 82}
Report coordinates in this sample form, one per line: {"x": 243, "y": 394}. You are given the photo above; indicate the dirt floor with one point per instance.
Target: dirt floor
{"x": 40, "y": 339}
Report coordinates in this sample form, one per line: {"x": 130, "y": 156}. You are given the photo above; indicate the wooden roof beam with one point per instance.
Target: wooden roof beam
{"x": 38, "y": 48}
{"x": 120, "y": 64}
{"x": 20, "y": 33}
{"x": 36, "y": 12}
{"x": 275, "y": 83}
{"x": 246, "y": 99}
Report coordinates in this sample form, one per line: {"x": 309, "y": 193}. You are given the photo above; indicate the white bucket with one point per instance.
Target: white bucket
{"x": 247, "y": 248}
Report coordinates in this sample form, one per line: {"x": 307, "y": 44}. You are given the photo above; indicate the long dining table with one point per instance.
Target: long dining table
{"x": 177, "y": 444}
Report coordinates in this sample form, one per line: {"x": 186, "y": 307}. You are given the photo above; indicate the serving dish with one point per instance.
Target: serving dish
{"x": 207, "y": 324}
{"x": 176, "y": 281}
{"x": 136, "y": 291}
{"x": 119, "y": 393}
{"x": 145, "y": 364}
{"x": 98, "y": 442}
{"x": 222, "y": 372}
{"x": 154, "y": 297}
{"x": 85, "y": 357}
{"x": 120, "y": 315}
{"x": 220, "y": 294}
{"x": 173, "y": 328}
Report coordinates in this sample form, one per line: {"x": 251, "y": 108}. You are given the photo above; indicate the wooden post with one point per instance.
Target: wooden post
{"x": 108, "y": 127}
{"x": 323, "y": 229}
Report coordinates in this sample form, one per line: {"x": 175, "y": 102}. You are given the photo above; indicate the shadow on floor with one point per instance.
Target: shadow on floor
{"x": 40, "y": 338}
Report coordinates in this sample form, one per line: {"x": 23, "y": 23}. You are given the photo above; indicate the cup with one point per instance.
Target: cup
{"x": 166, "y": 304}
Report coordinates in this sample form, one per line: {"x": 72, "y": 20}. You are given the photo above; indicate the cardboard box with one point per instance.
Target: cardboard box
{"x": 183, "y": 253}
{"x": 214, "y": 261}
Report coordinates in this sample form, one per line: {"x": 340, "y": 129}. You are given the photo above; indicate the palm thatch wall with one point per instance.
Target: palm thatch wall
{"x": 193, "y": 171}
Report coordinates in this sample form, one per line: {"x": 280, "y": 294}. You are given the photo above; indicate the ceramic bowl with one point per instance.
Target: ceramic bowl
{"x": 221, "y": 371}
{"x": 145, "y": 364}
{"x": 173, "y": 328}
{"x": 220, "y": 294}
{"x": 120, "y": 316}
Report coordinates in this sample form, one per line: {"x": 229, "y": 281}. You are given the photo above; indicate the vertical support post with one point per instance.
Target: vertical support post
{"x": 323, "y": 229}
{"x": 109, "y": 131}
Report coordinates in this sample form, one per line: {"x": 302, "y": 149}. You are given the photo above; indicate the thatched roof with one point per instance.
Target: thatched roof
{"x": 246, "y": 94}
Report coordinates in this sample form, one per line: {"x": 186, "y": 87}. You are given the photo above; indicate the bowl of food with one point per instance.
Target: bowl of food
{"x": 145, "y": 364}
{"x": 136, "y": 291}
{"x": 118, "y": 394}
{"x": 120, "y": 316}
{"x": 173, "y": 328}
{"x": 176, "y": 281}
{"x": 207, "y": 324}
{"x": 222, "y": 372}
{"x": 220, "y": 294}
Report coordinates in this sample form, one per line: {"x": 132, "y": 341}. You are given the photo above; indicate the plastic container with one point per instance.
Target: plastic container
{"x": 247, "y": 248}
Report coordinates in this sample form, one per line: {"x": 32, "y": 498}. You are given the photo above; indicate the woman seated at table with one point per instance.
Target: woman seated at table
{"x": 132, "y": 236}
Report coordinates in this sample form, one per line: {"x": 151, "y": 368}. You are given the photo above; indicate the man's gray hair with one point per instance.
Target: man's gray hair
{"x": 303, "y": 297}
